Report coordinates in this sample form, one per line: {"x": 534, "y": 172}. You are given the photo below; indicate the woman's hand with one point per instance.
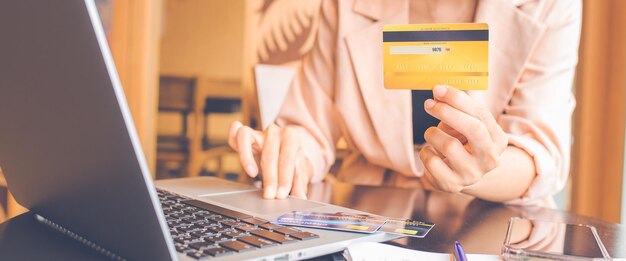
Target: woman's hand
{"x": 284, "y": 168}
{"x": 466, "y": 145}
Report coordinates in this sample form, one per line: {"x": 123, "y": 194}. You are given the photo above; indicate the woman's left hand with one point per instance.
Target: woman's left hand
{"x": 467, "y": 143}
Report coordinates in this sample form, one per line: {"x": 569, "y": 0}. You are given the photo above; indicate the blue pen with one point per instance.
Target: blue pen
{"x": 459, "y": 254}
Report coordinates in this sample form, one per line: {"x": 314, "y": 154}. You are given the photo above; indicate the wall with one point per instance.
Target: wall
{"x": 203, "y": 38}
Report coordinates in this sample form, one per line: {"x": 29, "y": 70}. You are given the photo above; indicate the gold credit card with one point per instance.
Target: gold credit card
{"x": 420, "y": 56}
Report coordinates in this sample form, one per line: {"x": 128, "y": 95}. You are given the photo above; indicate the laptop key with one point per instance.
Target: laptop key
{"x": 237, "y": 246}
{"x": 304, "y": 235}
{"x": 177, "y": 233}
{"x": 230, "y": 223}
{"x": 207, "y": 223}
{"x": 190, "y": 210}
{"x": 246, "y": 228}
{"x": 234, "y": 233}
{"x": 286, "y": 230}
{"x": 174, "y": 223}
{"x": 180, "y": 206}
{"x": 182, "y": 249}
{"x": 189, "y": 228}
{"x": 167, "y": 203}
{"x": 269, "y": 226}
{"x": 193, "y": 219}
{"x": 273, "y": 236}
{"x": 200, "y": 245}
{"x": 179, "y": 215}
{"x": 219, "y": 218}
{"x": 218, "y": 251}
{"x": 200, "y": 255}
{"x": 257, "y": 241}
{"x": 255, "y": 221}
{"x": 202, "y": 233}
{"x": 184, "y": 239}
{"x": 217, "y": 238}
{"x": 217, "y": 209}
{"x": 218, "y": 229}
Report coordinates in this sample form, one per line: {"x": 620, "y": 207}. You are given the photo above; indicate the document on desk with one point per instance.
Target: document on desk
{"x": 383, "y": 252}
{"x": 407, "y": 227}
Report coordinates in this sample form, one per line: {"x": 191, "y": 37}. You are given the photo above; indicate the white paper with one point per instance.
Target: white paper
{"x": 369, "y": 251}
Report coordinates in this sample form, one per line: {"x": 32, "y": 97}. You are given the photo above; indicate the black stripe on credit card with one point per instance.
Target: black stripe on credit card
{"x": 436, "y": 36}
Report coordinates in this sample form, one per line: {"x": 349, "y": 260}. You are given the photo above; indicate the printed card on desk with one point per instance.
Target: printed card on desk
{"x": 407, "y": 227}
{"x": 333, "y": 221}
{"x": 420, "y": 56}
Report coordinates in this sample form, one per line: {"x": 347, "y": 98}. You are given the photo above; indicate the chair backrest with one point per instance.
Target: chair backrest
{"x": 272, "y": 83}
{"x": 176, "y": 93}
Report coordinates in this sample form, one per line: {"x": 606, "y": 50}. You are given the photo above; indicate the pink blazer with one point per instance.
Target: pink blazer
{"x": 339, "y": 92}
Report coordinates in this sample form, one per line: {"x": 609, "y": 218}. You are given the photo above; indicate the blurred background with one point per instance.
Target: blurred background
{"x": 191, "y": 67}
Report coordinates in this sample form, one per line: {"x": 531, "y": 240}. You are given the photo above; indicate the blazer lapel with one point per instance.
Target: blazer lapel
{"x": 389, "y": 110}
{"x": 512, "y": 36}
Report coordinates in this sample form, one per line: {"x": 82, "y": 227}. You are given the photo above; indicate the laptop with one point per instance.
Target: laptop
{"x": 71, "y": 154}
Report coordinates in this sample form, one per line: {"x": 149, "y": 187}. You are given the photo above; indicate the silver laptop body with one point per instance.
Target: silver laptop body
{"x": 70, "y": 151}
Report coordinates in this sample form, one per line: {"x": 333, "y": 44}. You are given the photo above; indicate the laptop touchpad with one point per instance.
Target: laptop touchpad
{"x": 254, "y": 202}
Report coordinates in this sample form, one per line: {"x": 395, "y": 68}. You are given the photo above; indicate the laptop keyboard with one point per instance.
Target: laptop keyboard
{"x": 202, "y": 230}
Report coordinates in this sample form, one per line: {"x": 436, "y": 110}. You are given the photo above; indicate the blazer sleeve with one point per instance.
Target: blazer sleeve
{"x": 309, "y": 106}
{"x": 538, "y": 118}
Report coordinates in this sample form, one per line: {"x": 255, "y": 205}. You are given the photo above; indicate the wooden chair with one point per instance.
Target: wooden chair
{"x": 215, "y": 96}
{"x": 176, "y": 95}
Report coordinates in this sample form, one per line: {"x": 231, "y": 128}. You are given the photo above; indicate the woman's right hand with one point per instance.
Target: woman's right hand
{"x": 284, "y": 167}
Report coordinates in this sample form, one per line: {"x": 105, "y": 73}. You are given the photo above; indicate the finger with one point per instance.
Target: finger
{"x": 456, "y": 157}
{"x": 452, "y": 132}
{"x": 244, "y": 147}
{"x": 301, "y": 178}
{"x": 465, "y": 103}
{"x": 269, "y": 161}
{"x": 232, "y": 134}
{"x": 474, "y": 130}
{"x": 445, "y": 144}
{"x": 444, "y": 177}
{"x": 457, "y": 99}
{"x": 287, "y": 162}
{"x": 430, "y": 179}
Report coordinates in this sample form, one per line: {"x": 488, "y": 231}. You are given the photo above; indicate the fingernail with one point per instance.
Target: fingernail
{"x": 429, "y": 104}
{"x": 269, "y": 192}
{"x": 440, "y": 90}
{"x": 252, "y": 170}
{"x": 281, "y": 193}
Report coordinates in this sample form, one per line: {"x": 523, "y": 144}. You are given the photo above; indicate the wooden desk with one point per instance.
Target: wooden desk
{"x": 480, "y": 226}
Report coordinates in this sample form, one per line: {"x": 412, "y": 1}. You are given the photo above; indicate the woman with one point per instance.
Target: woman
{"x": 509, "y": 143}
